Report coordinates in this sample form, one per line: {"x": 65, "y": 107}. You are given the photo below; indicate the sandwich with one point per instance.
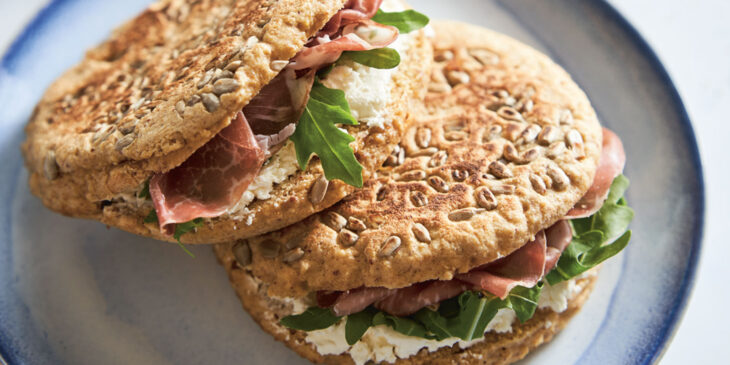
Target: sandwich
{"x": 209, "y": 121}
{"x": 476, "y": 242}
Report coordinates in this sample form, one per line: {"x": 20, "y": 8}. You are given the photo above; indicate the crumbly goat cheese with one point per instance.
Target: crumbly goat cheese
{"x": 382, "y": 343}
{"x": 282, "y": 165}
{"x": 367, "y": 90}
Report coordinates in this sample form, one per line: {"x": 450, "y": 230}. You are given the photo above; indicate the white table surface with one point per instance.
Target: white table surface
{"x": 693, "y": 42}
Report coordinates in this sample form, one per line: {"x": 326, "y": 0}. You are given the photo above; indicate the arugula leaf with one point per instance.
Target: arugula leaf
{"x": 152, "y": 217}
{"x": 314, "y": 318}
{"x": 180, "y": 228}
{"x": 474, "y": 315}
{"x": 590, "y": 236}
{"x": 318, "y": 134}
{"x": 380, "y": 58}
{"x": 145, "y": 192}
{"x": 612, "y": 219}
{"x": 406, "y": 21}
{"x": 333, "y": 97}
{"x": 357, "y": 324}
{"x": 524, "y": 301}
{"x": 476, "y": 311}
{"x": 618, "y": 188}
{"x": 402, "y": 325}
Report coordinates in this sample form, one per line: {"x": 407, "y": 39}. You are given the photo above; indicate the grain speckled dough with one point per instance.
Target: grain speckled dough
{"x": 143, "y": 101}
{"x": 496, "y": 349}
{"x": 507, "y": 145}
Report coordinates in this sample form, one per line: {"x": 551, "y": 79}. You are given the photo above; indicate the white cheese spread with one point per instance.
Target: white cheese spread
{"x": 367, "y": 90}
{"x": 282, "y": 165}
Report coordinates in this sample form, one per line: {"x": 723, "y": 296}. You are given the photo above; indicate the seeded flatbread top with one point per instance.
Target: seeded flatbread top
{"x": 507, "y": 145}
{"x": 162, "y": 86}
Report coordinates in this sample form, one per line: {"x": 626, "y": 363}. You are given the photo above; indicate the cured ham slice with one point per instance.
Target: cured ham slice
{"x": 354, "y": 10}
{"x": 558, "y": 237}
{"x": 407, "y": 301}
{"x": 273, "y": 143}
{"x": 279, "y": 103}
{"x": 610, "y": 165}
{"x": 353, "y": 301}
{"x": 211, "y": 180}
{"x": 364, "y": 35}
{"x": 526, "y": 267}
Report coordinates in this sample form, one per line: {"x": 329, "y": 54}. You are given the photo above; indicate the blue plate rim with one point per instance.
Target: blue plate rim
{"x": 654, "y": 355}
{"x": 688, "y": 281}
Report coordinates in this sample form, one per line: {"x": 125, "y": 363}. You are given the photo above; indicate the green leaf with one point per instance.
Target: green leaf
{"x": 612, "y": 219}
{"x": 145, "y": 192}
{"x": 318, "y": 134}
{"x": 474, "y": 315}
{"x": 596, "y": 256}
{"x": 180, "y": 228}
{"x": 322, "y": 73}
{"x": 152, "y": 217}
{"x": 524, "y": 301}
{"x": 591, "y": 235}
{"x": 618, "y": 189}
{"x": 314, "y": 318}
{"x": 581, "y": 225}
{"x": 357, "y": 324}
{"x": 406, "y": 21}
{"x": 380, "y": 58}
{"x": 335, "y": 98}
{"x": 403, "y": 325}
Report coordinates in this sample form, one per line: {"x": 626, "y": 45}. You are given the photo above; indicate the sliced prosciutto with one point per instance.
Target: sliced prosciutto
{"x": 349, "y": 30}
{"x": 353, "y": 301}
{"x": 610, "y": 165}
{"x": 558, "y": 237}
{"x": 354, "y": 10}
{"x": 410, "y": 300}
{"x": 364, "y": 35}
{"x": 210, "y": 180}
{"x": 526, "y": 267}
{"x": 279, "y": 104}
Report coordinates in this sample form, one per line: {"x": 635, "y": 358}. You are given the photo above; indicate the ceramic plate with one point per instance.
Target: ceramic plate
{"x": 76, "y": 292}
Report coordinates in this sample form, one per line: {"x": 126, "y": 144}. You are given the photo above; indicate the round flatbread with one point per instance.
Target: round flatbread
{"x": 495, "y": 349}
{"x": 143, "y": 101}
{"x": 506, "y": 145}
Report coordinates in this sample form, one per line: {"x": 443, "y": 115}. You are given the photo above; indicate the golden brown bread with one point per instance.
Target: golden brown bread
{"x": 508, "y": 144}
